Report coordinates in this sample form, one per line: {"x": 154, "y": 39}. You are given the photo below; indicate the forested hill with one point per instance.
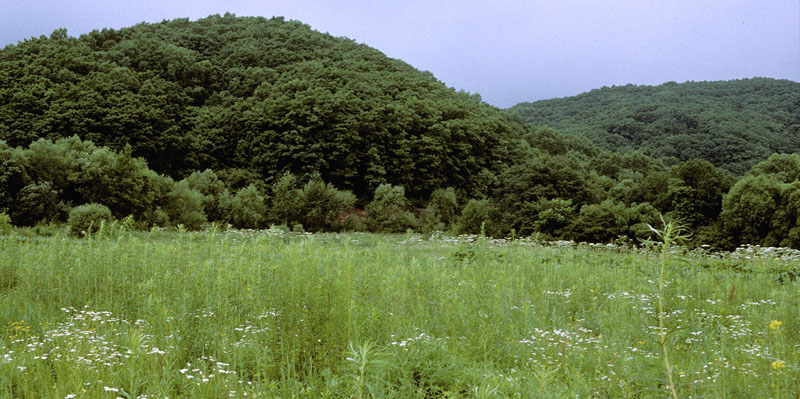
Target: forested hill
{"x": 732, "y": 124}
{"x": 253, "y": 97}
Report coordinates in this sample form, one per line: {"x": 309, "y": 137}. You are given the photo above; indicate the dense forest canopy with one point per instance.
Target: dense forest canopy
{"x": 254, "y": 122}
{"x": 732, "y": 124}
{"x": 254, "y": 96}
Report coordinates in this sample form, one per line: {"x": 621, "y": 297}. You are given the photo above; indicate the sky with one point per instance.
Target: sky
{"x": 507, "y": 51}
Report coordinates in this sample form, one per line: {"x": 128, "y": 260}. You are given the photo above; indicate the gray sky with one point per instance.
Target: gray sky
{"x": 508, "y": 51}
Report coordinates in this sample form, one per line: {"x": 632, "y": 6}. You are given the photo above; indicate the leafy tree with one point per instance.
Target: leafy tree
{"x": 731, "y": 124}
{"x": 387, "y": 211}
{"x": 286, "y": 200}
{"x": 13, "y": 175}
{"x": 323, "y": 204}
{"x": 36, "y": 203}
{"x": 248, "y": 209}
{"x": 610, "y": 220}
{"x": 185, "y": 206}
{"x": 444, "y": 204}
{"x": 748, "y": 208}
{"x": 474, "y": 217}
{"x": 208, "y": 184}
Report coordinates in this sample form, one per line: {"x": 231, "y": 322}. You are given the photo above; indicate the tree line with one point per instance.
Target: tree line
{"x": 553, "y": 196}
{"x": 256, "y": 122}
{"x": 733, "y": 124}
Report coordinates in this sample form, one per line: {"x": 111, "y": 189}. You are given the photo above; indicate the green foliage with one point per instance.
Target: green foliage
{"x": 610, "y": 220}
{"x": 5, "y": 223}
{"x": 731, "y": 124}
{"x": 248, "y": 209}
{"x": 13, "y": 176}
{"x": 251, "y": 98}
{"x": 444, "y": 205}
{"x": 763, "y": 207}
{"x": 428, "y": 220}
{"x": 551, "y": 216}
{"x": 208, "y": 184}
{"x": 387, "y": 211}
{"x": 88, "y": 218}
{"x": 118, "y": 116}
{"x": 323, "y": 205}
{"x": 473, "y": 217}
{"x": 184, "y": 206}
{"x": 286, "y": 204}
{"x": 524, "y": 185}
{"x": 37, "y": 203}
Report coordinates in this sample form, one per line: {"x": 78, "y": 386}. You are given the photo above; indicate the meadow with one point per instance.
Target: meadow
{"x": 263, "y": 314}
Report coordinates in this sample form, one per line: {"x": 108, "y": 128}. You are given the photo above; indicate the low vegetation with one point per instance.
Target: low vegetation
{"x": 243, "y": 313}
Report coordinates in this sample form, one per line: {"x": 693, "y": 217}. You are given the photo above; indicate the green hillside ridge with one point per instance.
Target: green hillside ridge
{"x": 262, "y": 96}
{"x": 254, "y": 122}
{"x": 732, "y": 124}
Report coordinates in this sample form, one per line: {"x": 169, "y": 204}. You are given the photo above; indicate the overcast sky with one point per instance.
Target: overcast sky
{"x": 508, "y": 51}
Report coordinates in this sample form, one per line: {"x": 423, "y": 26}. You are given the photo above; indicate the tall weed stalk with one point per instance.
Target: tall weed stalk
{"x": 672, "y": 233}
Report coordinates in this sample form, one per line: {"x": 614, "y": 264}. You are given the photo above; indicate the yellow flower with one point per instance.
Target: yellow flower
{"x": 778, "y": 364}
{"x": 775, "y": 324}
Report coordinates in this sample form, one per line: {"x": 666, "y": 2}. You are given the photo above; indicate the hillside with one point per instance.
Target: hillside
{"x": 253, "y": 122}
{"x": 253, "y": 97}
{"x": 732, "y": 124}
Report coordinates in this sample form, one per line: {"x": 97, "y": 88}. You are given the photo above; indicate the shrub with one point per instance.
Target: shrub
{"x": 5, "y": 223}
{"x": 322, "y": 204}
{"x": 248, "y": 210}
{"x": 208, "y": 183}
{"x": 185, "y": 206}
{"x": 285, "y": 200}
{"x": 473, "y": 216}
{"x": 37, "y": 203}
{"x": 87, "y": 219}
{"x": 428, "y": 220}
{"x": 610, "y": 220}
{"x": 444, "y": 203}
{"x": 387, "y": 211}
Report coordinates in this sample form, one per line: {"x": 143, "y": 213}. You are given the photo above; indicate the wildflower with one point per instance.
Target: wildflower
{"x": 778, "y": 364}
{"x": 775, "y": 324}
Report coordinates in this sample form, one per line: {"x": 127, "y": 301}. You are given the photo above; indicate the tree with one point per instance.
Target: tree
{"x": 286, "y": 200}
{"x": 185, "y": 206}
{"x": 36, "y": 203}
{"x": 248, "y": 209}
{"x": 387, "y": 211}
{"x": 323, "y": 204}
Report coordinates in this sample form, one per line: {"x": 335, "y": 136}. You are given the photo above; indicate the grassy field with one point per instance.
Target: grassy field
{"x": 262, "y": 315}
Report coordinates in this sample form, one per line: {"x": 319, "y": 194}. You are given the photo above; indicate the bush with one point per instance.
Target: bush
{"x": 248, "y": 210}
{"x": 323, "y": 204}
{"x": 5, "y": 223}
{"x": 611, "y": 220}
{"x": 473, "y": 216}
{"x": 387, "y": 212}
{"x": 208, "y": 184}
{"x": 185, "y": 206}
{"x": 285, "y": 200}
{"x": 38, "y": 203}
{"x": 87, "y": 219}
{"x": 444, "y": 203}
{"x": 428, "y": 220}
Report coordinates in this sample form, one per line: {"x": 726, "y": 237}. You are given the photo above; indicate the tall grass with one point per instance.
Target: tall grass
{"x": 248, "y": 314}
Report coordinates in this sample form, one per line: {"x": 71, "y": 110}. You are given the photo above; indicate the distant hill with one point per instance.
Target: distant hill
{"x": 254, "y": 97}
{"x": 732, "y": 124}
